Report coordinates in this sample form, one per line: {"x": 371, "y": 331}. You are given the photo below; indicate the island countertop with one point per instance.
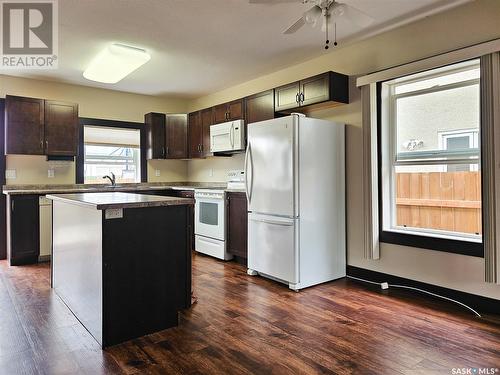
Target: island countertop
{"x": 113, "y": 200}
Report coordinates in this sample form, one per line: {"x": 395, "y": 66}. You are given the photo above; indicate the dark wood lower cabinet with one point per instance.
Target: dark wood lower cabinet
{"x": 23, "y": 239}
{"x": 3, "y": 198}
{"x": 185, "y": 194}
{"x": 237, "y": 224}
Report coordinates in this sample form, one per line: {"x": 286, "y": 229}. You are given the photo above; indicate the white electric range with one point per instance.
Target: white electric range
{"x": 210, "y": 218}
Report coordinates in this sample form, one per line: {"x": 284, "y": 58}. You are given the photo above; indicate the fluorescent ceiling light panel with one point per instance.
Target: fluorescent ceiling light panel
{"x": 115, "y": 62}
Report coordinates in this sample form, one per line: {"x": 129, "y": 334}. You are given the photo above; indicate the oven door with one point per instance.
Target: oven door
{"x": 210, "y": 218}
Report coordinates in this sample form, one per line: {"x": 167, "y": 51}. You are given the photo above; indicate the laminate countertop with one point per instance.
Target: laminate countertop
{"x": 114, "y": 200}
{"x": 97, "y": 188}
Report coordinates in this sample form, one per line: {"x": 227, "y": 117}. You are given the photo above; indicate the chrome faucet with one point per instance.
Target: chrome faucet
{"x": 111, "y": 179}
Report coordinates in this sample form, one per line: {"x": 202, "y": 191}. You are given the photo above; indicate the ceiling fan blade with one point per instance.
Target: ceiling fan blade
{"x": 351, "y": 14}
{"x": 295, "y": 26}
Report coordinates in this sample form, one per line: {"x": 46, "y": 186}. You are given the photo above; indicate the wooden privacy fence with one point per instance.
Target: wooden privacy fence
{"x": 440, "y": 200}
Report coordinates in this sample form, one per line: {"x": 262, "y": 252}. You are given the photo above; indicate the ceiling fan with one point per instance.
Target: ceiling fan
{"x": 324, "y": 10}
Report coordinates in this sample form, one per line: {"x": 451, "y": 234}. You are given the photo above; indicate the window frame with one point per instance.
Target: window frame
{"x": 443, "y": 243}
{"x": 113, "y": 160}
{"x": 80, "y": 158}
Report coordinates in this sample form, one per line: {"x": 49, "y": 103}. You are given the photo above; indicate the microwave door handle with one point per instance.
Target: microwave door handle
{"x": 231, "y": 135}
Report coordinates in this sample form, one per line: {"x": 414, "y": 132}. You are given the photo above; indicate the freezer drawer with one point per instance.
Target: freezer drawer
{"x": 272, "y": 246}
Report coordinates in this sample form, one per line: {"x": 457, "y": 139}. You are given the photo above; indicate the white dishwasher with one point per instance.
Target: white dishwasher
{"x": 45, "y": 229}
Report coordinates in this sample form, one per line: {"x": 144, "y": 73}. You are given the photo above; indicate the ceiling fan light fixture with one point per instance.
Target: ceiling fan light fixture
{"x": 338, "y": 10}
{"x": 312, "y": 15}
{"x": 115, "y": 62}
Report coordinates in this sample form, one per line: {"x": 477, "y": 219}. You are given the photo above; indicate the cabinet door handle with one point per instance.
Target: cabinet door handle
{"x": 41, "y": 145}
{"x": 167, "y": 151}
{"x": 12, "y": 205}
{"x": 46, "y": 145}
{"x": 301, "y": 97}
{"x": 297, "y": 96}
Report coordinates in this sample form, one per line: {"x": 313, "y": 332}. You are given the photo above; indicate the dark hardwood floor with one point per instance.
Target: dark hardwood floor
{"x": 249, "y": 325}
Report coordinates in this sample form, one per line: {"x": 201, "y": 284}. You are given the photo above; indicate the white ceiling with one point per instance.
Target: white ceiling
{"x": 201, "y": 46}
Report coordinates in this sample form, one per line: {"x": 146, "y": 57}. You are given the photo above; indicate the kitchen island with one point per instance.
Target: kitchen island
{"x": 121, "y": 261}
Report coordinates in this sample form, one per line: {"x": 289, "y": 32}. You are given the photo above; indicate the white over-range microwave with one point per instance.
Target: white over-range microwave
{"x": 227, "y": 137}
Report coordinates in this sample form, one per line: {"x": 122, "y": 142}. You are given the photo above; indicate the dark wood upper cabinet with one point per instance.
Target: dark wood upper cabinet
{"x": 237, "y": 224}
{"x": 315, "y": 90}
{"x": 228, "y": 111}
{"x": 155, "y": 135}
{"x": 220, "y": 113}
{"x": 206, "y": 121}
{"x": 176, "y": 136}
{"x": 24, "y": 126}
{"x": 61, "y": 128}
{"x": 40, "y": 127}
{"x": 286, "y": 97}
{"x": 259, "y": 107}
{"x": 235, "y": 110}
{"x": 327, "y": 89}
{"x": 166, "y": 136}
{"x": 195, "y": 132}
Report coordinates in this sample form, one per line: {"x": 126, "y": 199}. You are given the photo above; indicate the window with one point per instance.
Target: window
{"x": 430, "y": 161}
{"x": 109, "y": 150}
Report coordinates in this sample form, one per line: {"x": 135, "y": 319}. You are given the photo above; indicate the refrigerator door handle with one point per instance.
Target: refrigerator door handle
{"x": 247, "y": 153}
{"x": 274, "y": 222}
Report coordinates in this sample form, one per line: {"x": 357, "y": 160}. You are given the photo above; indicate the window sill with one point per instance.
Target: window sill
{"x": 470, "y": 247}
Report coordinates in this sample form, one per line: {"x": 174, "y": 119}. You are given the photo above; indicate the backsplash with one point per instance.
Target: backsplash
{"x": 214, "y": 169}
{"x": 30, "y": 169}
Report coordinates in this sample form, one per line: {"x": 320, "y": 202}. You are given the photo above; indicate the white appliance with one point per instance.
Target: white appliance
{"x": 210, "y": 223}
{"x": 227, "y": 137}
{"x": 295, "y": 173}
{"x": 45, "y": 229}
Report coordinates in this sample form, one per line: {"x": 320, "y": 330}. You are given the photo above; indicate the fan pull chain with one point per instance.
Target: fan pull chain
{"x": 335, "y": 33}
{"x": 326, "y": 29}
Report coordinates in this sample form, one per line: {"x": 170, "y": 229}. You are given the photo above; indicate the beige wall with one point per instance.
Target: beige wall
{"x": 214, "y": 169}
{"x": 469, "y": 24}
{"x": 96, "y": 103}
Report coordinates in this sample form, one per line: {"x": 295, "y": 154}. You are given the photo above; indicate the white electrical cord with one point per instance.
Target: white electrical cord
{"x": 387, "y": 285}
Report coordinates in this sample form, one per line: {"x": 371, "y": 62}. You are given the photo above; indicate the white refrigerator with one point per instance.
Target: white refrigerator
{"x": 295, "y": 186}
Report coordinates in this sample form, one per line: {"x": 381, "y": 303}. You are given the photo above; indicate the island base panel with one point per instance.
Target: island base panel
{"x": 147, "y": 271}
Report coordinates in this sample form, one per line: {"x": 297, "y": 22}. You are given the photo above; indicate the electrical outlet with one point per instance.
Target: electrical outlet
{"x": 211, "y": 172}
{"x": 51, "y": 173}
{"x": 157, "y": 172}
{"x": 10, "y": 174}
